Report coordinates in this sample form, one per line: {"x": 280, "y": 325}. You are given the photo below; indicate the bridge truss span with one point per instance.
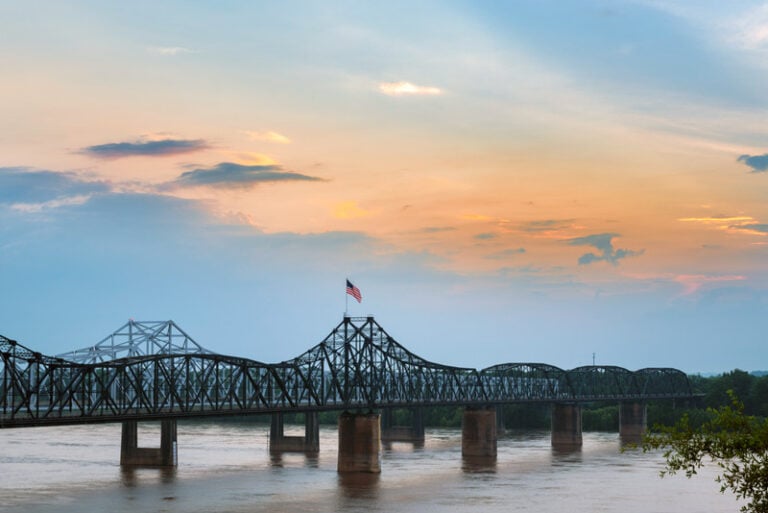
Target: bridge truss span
{"x": 158, "y": 371}
{"x": 135, "y": 339}
{"x": 522, "y": 381}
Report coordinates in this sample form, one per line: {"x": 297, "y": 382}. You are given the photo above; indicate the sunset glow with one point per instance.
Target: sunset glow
{"x": 545, "y": 181}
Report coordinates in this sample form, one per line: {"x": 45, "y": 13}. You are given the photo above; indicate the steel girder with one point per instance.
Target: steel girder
{"x": 357, "y": 366}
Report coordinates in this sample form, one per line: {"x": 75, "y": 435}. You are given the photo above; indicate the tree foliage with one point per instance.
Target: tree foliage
{"x": 735, "y": 441}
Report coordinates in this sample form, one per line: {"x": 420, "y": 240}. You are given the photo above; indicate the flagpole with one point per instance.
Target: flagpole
{"x": 346, "y": 299}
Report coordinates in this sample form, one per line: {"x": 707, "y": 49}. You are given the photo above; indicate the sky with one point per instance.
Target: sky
{"x": 512, "y": 181}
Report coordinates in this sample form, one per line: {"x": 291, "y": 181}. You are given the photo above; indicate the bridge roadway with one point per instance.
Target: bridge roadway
{"x": 155, "y": 371}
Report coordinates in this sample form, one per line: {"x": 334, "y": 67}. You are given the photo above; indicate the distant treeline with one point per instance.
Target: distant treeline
{"x": 751, "y": 389}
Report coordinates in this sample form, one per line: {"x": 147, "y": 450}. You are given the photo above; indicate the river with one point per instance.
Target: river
{"x": 227, "y": 468}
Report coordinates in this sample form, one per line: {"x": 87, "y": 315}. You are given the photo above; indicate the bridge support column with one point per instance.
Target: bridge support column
{"x": 566, "y": 426}
{"x": 478, "y": 433}
{"x": 633, "y": 419}
{"x": 133, "y": 455}
{"x": 359, "y": 443}
{"x": 309, "y": 443}
{"x": 409, "y": 433}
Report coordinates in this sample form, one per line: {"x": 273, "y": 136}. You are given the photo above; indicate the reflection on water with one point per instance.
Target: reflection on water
{"x": 359, "y": 485}
{"x": 391, "y": 445}
{"x": 129, "y": 475}
{"x": 566, "y": 453}
{"x": 288, "y": 458}
{"x": 478, "y": 464}
{"x": 630, "y": 442}
{"x": 228, "y": 468}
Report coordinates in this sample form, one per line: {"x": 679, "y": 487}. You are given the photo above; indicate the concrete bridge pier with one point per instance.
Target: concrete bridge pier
{"x": 478, "y": 433}
{"x": 359, "y": 443}
{"x": 309, "y": 443}
{"x": 633, "y": 420}
{"x": 133, "y": 455}
{"x": 409, "y": 433}
{"x": 566, "y": 426}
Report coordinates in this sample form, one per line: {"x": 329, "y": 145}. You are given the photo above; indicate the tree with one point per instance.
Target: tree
{"x": 759, "y": 394}
{"x": 717, "y": 392}
{"x": 736, "y": 442}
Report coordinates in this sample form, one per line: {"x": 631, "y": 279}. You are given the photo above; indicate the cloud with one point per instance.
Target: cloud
{"x": 501, "y": 255}
{"x": 754, "y": 228}
{"x": 31, "y": 208}
{"x": 160, "y": 148}
{"x": 603, "y": 242}
{"x": 758, "y": 163}
{"x": 693, "y": 282}
{"x": 349, "y": 210}
{"x": 485, "y": 236}
{"x": 751, "y": 28}
{"x": 268, "y": 136}
{"x": 408, "y": 89}
{"x": 437, "y": 229}
{"x": 745, "y": 224}
{"x": 249, "y": 158}
{"x": 546, "y": 225}
{"x": 718, "y": 219}
{"x": 24, "y": 188}
{"x": 232, "y": 175}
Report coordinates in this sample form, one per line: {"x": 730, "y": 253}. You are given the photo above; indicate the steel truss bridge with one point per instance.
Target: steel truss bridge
{"x": 149, "y": 370}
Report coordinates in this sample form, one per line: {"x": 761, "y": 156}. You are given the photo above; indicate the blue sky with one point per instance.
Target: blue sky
{"x": 504, "y": 181}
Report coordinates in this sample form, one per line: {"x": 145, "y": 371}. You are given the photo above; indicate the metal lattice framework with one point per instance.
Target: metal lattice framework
{"x": 358, "y": 366}
{"x": 138, "y": 339}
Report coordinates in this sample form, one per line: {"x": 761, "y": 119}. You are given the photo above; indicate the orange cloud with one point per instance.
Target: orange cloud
{"x": 254, "y": 159}
{"x": 349, "y": 210}
{"x": 743, "y": 224}
{"x": 760, "y": 229}
{"x": 717, "y": 219}
{"x": 268, "y": 136}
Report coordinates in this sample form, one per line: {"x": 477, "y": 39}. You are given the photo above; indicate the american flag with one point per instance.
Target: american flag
{"x": 354, "y": 292}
